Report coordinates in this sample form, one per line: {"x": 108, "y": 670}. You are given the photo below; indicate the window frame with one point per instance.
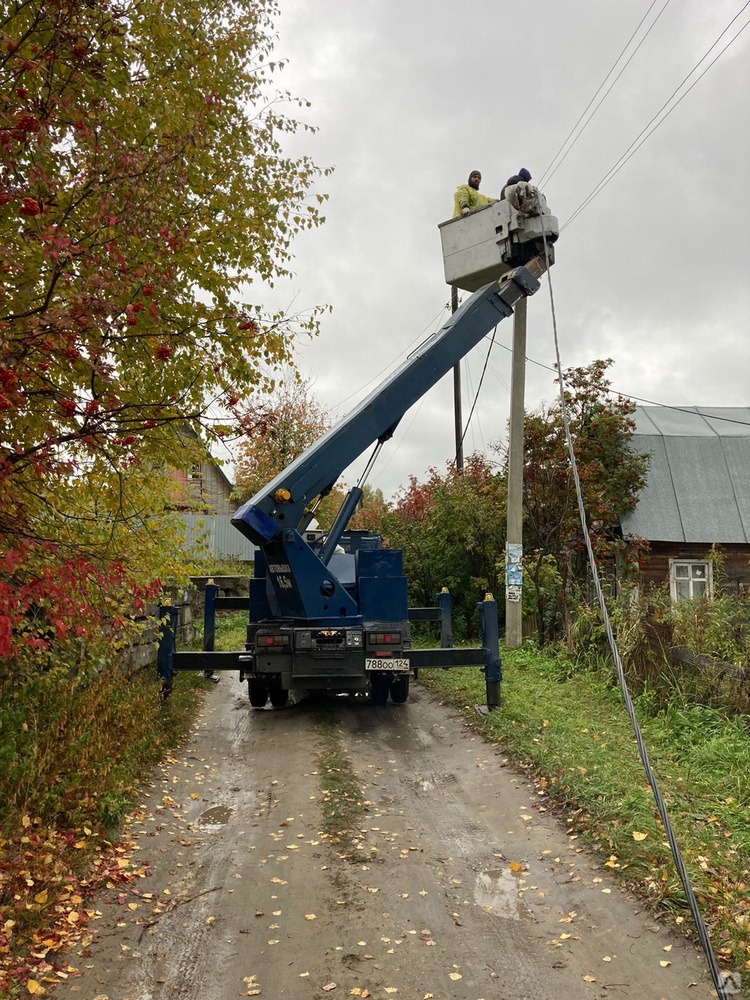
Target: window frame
{"x": 673, "y": 563}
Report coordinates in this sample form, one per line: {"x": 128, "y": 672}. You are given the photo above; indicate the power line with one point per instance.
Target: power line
{"x": 372, "y": 378}
{"x": 679, "y": 863}
{"x": 479, "y": 389}
{"x": 631, "y": 395}
{"x": 591, "y": 116}
{"x": 636, "y": 144}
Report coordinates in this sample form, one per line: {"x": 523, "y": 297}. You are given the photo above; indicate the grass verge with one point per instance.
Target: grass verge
{"x": 72, "y": 753}
{"x": 342, "y": 802}
{"x": 573, "y": 735}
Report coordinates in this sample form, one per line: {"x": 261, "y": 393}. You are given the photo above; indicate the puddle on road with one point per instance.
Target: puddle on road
{"x": 497, "y": 892}
{"x": 425, "y": 784}
{"x": 215, "y": 817}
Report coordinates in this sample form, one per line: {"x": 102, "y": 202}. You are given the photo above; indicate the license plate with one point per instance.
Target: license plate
{"x": 387, "y": 663}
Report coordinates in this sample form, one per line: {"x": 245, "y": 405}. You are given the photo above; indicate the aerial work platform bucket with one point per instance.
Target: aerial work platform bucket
{"x": 481, "y": 247}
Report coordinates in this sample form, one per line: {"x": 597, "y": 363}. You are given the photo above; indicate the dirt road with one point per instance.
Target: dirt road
{"x": 459, "y": 883}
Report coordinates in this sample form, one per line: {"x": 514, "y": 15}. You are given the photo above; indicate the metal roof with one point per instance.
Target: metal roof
{"x": 698, "y": 486}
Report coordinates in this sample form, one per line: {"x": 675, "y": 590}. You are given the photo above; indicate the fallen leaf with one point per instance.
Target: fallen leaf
{"x": 667, "y": 947}
{"x": 606, "y": 959}
{"x": 310, "y": 916}
{"x": 664, "y": 963}
{"x": 455, "y": 975}
{"x": 516, "y": 867}
{"x": 329, "y": 986}
{"x": 589, "y": 979}
{"x": 637, "y": 835}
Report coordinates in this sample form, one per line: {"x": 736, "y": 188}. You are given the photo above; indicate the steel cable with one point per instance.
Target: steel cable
{"x": 635, "y": 145}
{"x": 550, "y": 172}
{"x": 703, "y": 936}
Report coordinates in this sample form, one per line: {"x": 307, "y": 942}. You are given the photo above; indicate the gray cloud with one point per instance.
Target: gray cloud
{"x": 409, "y": 97}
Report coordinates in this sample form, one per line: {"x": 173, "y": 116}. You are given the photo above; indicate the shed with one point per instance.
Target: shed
{"x": 696, "y": 497}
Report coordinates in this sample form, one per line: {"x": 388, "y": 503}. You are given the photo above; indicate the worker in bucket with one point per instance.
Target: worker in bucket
{"x": 467, "y": 197}
{"x": 522, "y": 175}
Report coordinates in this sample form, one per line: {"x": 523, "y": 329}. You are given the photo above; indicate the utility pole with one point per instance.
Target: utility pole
{"x": 514, "y": 534}
{"x": 458, "y": 418}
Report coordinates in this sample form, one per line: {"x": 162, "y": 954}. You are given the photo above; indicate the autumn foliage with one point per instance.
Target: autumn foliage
{"x": 145, "y": 200}
{"x": 277, "y": 428}
{"x": 143, "y": 188}
{"x": 451, "y": 529}
{"x": 611, "y": 475}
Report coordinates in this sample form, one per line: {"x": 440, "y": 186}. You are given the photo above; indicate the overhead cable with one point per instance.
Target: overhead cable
{"x": 646, "y": 132}
{"x": 705, "y": 941}
{"x": 631, "y": 395}
{"x": 372, "y": 378}
{"x": 476, "y": 396}
{"x": 549, "y": 172}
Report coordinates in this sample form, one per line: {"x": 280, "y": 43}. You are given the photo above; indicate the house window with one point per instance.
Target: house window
{"x": 690, "y": 578}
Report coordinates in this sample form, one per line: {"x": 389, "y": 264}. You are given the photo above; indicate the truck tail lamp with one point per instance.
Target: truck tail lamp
{"x": 264, "y": 641}
{"x": 388, "y": 639}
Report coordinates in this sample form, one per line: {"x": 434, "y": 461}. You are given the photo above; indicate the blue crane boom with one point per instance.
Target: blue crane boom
{"x": 376, "y": 417}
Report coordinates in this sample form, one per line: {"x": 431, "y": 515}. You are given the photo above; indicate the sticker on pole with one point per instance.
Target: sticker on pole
{"x": 513, "y": 568}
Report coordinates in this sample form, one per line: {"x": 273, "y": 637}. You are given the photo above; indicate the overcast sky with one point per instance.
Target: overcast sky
{"x": 410, "y": 96}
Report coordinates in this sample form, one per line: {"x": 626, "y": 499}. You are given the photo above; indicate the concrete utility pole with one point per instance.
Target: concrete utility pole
{"x": 458, "y": 418}
{"x": 514, "y": 542}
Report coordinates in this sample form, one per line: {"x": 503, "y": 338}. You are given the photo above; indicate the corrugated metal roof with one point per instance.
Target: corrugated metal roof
{"x": 698, "y": 487}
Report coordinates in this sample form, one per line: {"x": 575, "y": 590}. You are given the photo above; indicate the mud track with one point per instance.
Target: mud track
{"x": 458, "y": 884}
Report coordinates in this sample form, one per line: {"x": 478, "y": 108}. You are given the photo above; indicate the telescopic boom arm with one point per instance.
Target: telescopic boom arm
{"x": 282, "y": 503}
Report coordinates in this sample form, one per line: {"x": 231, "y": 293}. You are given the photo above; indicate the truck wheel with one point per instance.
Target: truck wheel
{"x": 400, "y": 689}
{"x": 379, "y": 689}
{"x": 278, "y": 695}
{"x": 258, "y": 692}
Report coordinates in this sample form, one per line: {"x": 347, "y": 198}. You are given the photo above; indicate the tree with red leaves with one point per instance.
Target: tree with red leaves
{"x": 143, "y": 188}
{"x": 451, "y": 529}
{"x": 611, "y": 475}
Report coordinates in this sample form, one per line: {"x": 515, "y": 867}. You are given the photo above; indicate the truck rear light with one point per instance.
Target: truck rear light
{"x": 273, "y": 640}
{"x": 384, "y": 638}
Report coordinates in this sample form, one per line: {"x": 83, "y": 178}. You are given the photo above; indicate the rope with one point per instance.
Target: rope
{"x": 705, "y": 941}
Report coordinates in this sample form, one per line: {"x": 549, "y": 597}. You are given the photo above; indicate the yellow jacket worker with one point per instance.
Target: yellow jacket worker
{"x": 467, "y": 197}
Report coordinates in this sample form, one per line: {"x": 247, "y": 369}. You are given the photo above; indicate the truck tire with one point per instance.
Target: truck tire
{"x": 256, "y": 688}
{"x": 400, "y": 689}
{"x": 278, "y": 695}
{"x": 379, "y": 689}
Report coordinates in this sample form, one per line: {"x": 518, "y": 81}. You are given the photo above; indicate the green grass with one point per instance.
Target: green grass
{"x": 222, "y": 567}
{"x": 342, "y": 802}
{"x": 231, "y": 632}
{"x": 573, "y": 734}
